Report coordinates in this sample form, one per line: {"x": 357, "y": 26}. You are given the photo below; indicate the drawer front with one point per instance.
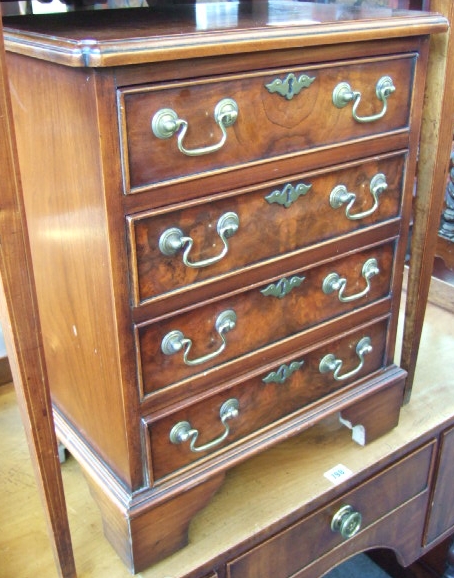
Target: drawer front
{"x": 268, "y": 125}
{"x": 189, "y": 344}
{"x": 297, "y": 213}
{"x": 275, "y": 393}
{"x": 442, "y": 508}
{"x": 286, "y": 553}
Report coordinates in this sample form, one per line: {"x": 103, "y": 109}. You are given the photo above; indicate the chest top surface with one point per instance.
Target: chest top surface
{"x": 191, "y": 30}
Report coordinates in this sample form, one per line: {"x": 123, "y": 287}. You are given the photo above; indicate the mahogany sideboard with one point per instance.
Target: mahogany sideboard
{"x": 218, "y": 205}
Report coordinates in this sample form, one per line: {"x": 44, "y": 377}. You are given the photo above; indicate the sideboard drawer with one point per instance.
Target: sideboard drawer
{"x": 441, "y": 518}
{"x": 191, "y": 343}
{"x": 268, "y": 124}
{"x": 372, "y": 500}
{"x": 273, "y": 394}
{"x": 298, "y": 212}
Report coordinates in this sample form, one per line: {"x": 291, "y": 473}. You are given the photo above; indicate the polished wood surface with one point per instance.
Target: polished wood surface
{"x": 260, "y": 403}
{"x": 377, "y": 413}
{"x": 198, "y": 49}
{"x": 117, "y": 390}
{"x": 78, "y": 309}
{"x": 301, "y": 202}
{"x": 180, "y": 35}
{"x": 437, "y": 128}
{"x": 282, "y": 555}
{"x": 256, "y": 495}
{"x": 21, "y": 327}
{"x": 274, "y": 319}
{"x": 279, "y": 126}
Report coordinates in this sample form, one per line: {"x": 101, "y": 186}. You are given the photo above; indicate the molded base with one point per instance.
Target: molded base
{"x": 148, "y": 531}
{"x": 375, "y": 415}
{"x": 149, "y": 525}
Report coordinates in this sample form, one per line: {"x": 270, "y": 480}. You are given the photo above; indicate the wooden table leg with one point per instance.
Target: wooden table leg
{"x": 435, "y": 149}
{"x": 20, "y": 323}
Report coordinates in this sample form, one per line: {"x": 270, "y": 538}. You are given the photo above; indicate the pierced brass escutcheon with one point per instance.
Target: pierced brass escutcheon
{"x": 283, "y": 287}
{"x": 290, "y": 86}
{"x": 283, "y": 373}
{"x": 288, "y": 195}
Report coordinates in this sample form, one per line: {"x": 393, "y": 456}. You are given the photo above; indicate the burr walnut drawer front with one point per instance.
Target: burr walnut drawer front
{"x": 184, "y": 129}
{"x": 189, "y": 344}
{"x": 176, "y": 248}
{"x": 348, "y": 518}
{"x": 278, "y": 391}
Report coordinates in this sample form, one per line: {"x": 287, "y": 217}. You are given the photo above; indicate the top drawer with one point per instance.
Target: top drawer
{"x": 280, "y": 113}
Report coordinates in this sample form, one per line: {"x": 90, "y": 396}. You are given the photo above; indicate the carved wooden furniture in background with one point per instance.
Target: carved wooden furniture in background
{"x": 20, "y": 323}
{"x": 445, "y": 244}
{"x": 218, "y": 245}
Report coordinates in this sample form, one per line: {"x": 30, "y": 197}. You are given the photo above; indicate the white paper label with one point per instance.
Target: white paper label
{"x": 338, "y": 474}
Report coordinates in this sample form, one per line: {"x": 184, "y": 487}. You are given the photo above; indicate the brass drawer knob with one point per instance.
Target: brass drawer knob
{"x": 334, "y": 282}
{"x": 165, "y": 123}
{"x": 175, "y": 341}
{"x": 347, "y": 522}
{"x": 173, "y": 240}
{"x": 331, "y": 363}
{"x": 341, "y": 195}
{"x": 343, "y": 95}
{"x": 183, "y": 432}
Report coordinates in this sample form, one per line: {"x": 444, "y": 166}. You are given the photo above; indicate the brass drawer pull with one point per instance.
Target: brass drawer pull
{"x": 173, "y": 239}
{"x": 165, "y": 124}
{"x": 182, "y": 431}
{"x": 331, "y": 363}
{"x": 343, "y": 95}
{"x": 340, "y": 195}
{"x": 174, "y": 341}
{"x": 347, "y": 522}
{"x": 333, "y": 282}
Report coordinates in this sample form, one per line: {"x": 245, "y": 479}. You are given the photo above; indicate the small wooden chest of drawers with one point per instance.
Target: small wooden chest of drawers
{"x": 219, "y": 216}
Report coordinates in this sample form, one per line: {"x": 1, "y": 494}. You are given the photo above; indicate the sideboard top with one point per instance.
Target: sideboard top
{"x": 175, "y": 31}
